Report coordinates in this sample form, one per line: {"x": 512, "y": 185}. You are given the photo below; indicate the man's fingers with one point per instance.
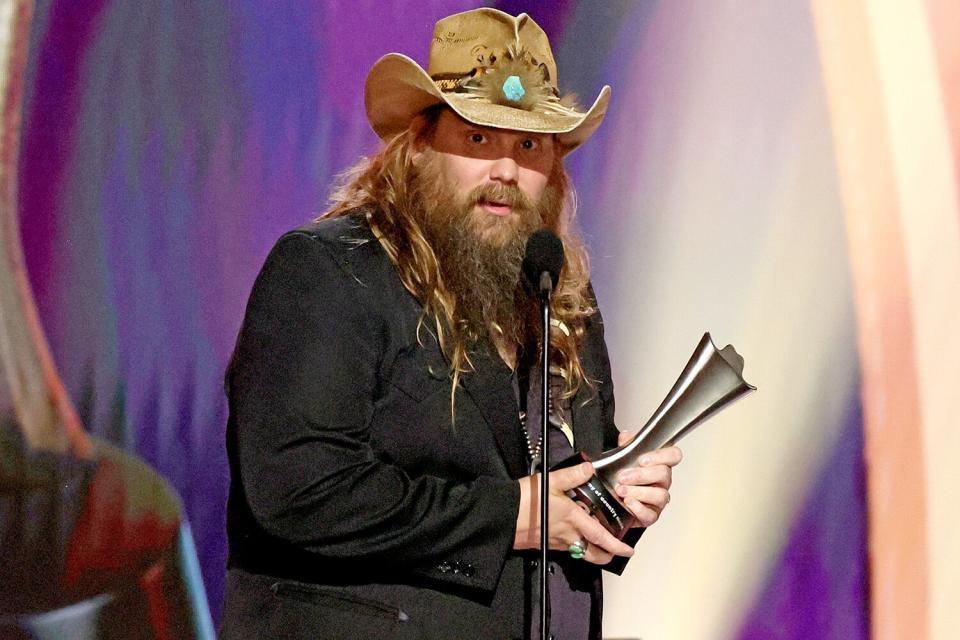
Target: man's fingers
{"x": 565, "y": 479}
{"x": 670, "y": 456}
{"x": 644, "y": 514}
{"x": 655, "y": 497}
{"x": 596, "y": 555}
{"x": 645, "y": 503}
{"x": 594, "y": 533}
{"x": 660, "y": 475}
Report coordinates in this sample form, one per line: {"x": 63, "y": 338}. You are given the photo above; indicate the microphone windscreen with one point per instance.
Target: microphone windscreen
{"x": 544, "y": 253}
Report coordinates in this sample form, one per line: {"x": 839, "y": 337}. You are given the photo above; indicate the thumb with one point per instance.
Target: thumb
{"x": 565, "y": 479}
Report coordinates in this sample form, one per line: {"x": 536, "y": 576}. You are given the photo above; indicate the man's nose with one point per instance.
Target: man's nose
{"x": 505, "y": 170}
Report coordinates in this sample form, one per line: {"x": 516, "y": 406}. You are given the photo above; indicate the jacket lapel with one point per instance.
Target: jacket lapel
{"x": 489, "y": 386}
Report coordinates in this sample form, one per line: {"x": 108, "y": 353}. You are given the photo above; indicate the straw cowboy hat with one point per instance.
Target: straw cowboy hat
{"x": 492, "y": 69}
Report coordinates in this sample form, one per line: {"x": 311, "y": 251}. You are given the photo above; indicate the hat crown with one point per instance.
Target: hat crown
{"x": 465, "y": 41}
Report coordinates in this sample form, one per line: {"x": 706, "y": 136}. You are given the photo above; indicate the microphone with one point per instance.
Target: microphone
{"x": 542, "y": 261}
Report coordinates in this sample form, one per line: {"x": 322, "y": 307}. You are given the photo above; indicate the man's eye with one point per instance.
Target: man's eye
{"x": 478, "y": 138}
{"x": 530, "y": 144}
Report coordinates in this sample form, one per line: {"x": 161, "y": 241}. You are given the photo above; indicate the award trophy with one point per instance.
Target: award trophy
{"x": 711, "y": 380}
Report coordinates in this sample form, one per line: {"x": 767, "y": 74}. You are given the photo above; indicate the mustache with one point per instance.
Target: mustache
{"x": 501, "y": 194}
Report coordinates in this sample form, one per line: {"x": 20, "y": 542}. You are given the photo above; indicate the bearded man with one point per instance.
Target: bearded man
{"x": 383, "y": 459}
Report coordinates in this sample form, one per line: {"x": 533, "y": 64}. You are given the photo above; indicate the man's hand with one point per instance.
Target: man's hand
{"x": 569, "y": 522}
{"x": 645, "y": 489}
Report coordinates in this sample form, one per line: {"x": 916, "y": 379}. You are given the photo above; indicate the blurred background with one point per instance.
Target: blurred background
{"x": 783, "y": 174}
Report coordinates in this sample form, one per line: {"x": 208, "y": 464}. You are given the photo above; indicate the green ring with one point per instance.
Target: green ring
{"x": 577, "y": 551}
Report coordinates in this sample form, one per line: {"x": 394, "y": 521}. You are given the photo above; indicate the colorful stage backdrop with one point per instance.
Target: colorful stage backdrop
{"x": 780, "y": 173}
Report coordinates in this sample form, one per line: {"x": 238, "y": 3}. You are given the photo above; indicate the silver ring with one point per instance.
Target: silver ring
{"x": 578, "y": 549}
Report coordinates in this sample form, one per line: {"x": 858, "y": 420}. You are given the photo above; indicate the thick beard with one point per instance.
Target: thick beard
{"x": 480, "y": 254}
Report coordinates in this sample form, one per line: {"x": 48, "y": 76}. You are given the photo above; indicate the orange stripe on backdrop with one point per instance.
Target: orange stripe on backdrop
{"x": 930, "y": 223}
{"x": 894, "y": 446}
{"x": 944, "y": 24}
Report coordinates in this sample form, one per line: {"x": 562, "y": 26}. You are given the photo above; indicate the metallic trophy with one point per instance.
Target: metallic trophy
{"x": 711, "y": 380}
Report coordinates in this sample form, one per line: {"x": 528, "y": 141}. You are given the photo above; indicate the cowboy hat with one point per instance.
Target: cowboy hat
{"x": 492, "y": 69}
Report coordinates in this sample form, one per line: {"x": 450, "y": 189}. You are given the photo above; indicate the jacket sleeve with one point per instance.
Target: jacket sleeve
{"x": 302, "y": 388}
{"x": 599, "y": 369}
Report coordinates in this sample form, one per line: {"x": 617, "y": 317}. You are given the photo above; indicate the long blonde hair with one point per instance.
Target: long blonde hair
{"x": 381, "y": 185}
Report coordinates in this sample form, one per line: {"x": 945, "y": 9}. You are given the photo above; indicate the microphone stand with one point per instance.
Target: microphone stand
{"x": 542, "y": 263}
{"x": 546, "y": 287}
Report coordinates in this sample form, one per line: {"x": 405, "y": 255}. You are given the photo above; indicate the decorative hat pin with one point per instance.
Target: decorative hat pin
{"x": 513, "y": 89}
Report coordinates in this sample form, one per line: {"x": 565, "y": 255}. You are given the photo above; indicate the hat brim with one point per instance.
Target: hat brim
{"x": 397, "y": 89}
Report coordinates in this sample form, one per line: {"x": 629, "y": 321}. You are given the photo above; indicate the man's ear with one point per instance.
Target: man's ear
{"x": 417, "y": 126}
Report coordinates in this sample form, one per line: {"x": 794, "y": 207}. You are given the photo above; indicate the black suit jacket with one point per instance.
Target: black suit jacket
{"x": 358, "y": 507}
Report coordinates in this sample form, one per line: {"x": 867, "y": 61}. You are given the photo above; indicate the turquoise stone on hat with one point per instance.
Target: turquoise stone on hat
{"x": 513, "y": 89}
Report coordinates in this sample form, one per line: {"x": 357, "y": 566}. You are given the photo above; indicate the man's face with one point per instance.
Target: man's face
{"x": 500, "y": 174}
{"x": 477, "y": 195}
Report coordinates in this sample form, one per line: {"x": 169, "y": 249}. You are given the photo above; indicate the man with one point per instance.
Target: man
{"x": 379, "y": 442}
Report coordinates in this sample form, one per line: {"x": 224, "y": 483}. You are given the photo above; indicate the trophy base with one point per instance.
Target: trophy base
{"x": 603, "y": 505}
{"x": 599, "y": 501}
